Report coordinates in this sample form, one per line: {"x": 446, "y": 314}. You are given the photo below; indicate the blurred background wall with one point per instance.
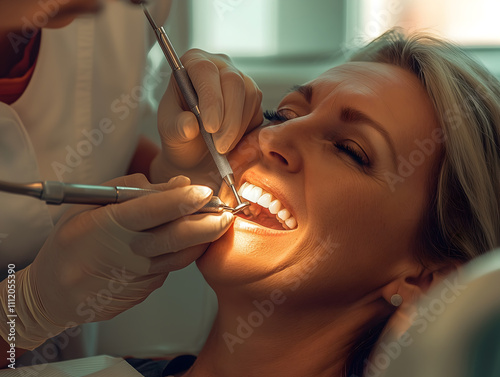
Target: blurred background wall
{"x": 280, "y": 43}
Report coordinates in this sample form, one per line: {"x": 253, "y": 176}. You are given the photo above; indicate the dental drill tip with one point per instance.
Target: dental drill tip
{"x": 240, "y": 207}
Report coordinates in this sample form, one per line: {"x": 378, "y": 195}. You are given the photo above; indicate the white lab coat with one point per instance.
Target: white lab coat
{"x": 77, "y": 121}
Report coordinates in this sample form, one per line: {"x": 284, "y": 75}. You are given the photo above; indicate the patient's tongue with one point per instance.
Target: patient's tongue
{"x": 264, "y": 218}
{"x": 269, "y": 221}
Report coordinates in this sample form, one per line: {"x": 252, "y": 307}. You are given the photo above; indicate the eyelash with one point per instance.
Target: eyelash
{"x": 275, "y": 116}
{"x": 354, "y": 154}
{"x": 279, "y": 116}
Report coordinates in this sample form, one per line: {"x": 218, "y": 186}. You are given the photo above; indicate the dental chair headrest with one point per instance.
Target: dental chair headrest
{"x": 455, "y": 331}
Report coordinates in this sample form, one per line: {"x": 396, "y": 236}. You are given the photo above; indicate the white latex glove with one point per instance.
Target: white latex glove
{"x": 230, "y": 106}
{"x": 101, "y": 261}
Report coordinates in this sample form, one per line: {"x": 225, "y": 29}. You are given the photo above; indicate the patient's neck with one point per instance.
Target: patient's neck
{"x": 260, "y": 339}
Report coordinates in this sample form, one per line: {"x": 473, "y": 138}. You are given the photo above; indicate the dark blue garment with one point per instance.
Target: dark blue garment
{"x": 162, "y": 368}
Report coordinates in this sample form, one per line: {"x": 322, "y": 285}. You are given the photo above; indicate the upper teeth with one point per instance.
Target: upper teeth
{"x": 255, "y": 194}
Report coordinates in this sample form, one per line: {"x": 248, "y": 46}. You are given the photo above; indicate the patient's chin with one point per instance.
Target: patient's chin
{"x": 245, "y": 256}
{"x": 216, "y": 254}
{"x": 234, "y": 260}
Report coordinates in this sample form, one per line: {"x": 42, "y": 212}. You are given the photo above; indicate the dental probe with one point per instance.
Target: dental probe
{"x": 186, "y": 87}
{"x": 55, "y": 192}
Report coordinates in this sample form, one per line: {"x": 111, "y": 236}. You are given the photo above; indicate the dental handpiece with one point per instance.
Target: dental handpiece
{"x": 55, "y": 192}
{"x": 186, "y": 87}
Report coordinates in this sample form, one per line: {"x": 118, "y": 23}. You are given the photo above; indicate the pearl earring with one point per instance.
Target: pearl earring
{"x": 396, "y": 300}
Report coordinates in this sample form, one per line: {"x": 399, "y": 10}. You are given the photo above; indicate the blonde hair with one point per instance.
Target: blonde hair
{"x": 463, "y": 220}
{"x": 463, "y": 217}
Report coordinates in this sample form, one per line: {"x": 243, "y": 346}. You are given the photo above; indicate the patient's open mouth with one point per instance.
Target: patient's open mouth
{"x": 265, "y": 209}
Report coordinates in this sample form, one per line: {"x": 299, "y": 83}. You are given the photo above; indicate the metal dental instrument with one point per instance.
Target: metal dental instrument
{"x": 187, "y": 89}
{"x": 54, "y": 192}
{"x": 215, "y": 205}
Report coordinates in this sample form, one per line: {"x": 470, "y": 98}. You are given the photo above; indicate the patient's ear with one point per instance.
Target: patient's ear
{"x": 415, "y": 280}
{"x": 411, "y": 285}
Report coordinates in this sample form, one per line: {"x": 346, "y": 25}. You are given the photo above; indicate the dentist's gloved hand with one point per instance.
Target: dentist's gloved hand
{"x": 101, "y": 261}
{"x": 230, "y": 106}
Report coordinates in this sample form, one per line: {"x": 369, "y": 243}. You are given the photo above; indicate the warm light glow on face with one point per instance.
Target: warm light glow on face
{"x": 352, "y": 225}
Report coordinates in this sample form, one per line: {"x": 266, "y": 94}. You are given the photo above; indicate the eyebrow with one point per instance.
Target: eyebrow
{"x": 305, "y": 90}
{"x": 354, "y": 116}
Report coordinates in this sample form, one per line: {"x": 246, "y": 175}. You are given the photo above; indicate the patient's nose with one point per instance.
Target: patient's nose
{"x": 279, "y": 148}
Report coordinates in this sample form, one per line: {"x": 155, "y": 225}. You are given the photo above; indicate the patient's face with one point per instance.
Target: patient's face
{"x": 342, "y": 161}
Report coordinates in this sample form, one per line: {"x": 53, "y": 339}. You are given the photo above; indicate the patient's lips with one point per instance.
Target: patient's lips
{"x": 267, "y": 210}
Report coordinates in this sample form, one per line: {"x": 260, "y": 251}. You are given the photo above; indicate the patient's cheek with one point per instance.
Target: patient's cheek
{"x": 246, "y": 152}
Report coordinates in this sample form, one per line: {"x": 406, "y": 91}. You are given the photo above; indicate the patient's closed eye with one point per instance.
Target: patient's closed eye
{"x": 354, "y": 152}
